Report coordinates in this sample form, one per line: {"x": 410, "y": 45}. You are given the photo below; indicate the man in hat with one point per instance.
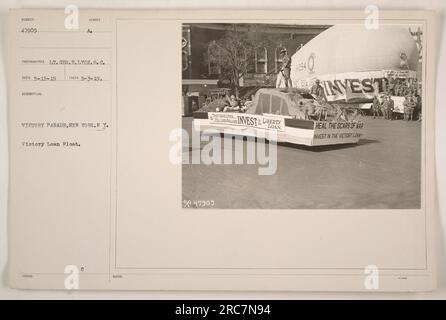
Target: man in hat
{"x": 317, "y": 90}
{"x": 376, "y": 107}
{"x": 285, "y": 70}
{"x": 385, "y": 106}
{"x": 390, "y": 107}
{"x": 409, "y": 107}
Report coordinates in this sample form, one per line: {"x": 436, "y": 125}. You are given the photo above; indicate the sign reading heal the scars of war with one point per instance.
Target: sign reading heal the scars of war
{"x": 266, "y": 122}
{"x": 346, "y": 132}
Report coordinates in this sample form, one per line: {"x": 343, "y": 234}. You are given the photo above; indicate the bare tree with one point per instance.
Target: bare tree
{"x": 233, "y": 54}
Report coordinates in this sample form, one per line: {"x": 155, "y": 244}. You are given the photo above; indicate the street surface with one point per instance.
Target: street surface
{"x": 382, "y": 171}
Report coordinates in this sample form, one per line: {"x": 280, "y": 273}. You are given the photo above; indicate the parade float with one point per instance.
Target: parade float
{"x": 353, "y": 65}
{"x": 293, "y": 115}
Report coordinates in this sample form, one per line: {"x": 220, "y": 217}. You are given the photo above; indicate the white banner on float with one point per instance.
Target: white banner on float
{"x": 266, "y": 122}
{"x": 355, "y": 85}
{"x": 326, "y": 133}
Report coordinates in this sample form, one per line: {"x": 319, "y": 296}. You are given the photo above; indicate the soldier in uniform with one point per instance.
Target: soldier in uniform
{"x": 390, "y": 107}
{"x": 385, "y": 107}
{"x": 412, "y": 104}
{"x": 317, "y": 90}
{"x": 409, "y": 107}
{"x": 391, "y": 86}
{"x": 406, "y": 108}
{"x": 285, "y": 69}
{"x": 397, "y": 88}
{"x": 375, "y": 107}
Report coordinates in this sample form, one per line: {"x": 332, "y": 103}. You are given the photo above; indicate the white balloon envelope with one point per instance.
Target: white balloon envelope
{"x": 354, "y": 62}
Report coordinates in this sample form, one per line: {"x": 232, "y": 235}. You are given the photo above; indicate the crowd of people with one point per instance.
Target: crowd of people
{"x": 386, "y": 108}
{"x": 227, "y": 103}
{"x": 411, "y": 91}
{"x": 403, "y": 87}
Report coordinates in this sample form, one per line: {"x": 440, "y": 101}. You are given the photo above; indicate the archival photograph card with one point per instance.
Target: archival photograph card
{"x": 251, "y": 150}
{"x": 332, "y": 96}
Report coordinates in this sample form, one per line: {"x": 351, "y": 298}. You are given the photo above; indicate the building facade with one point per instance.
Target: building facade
{"x": 262, "y": 70}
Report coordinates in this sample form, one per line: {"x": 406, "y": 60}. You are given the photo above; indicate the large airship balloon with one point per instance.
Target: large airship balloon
{"x": 352, "y": 61}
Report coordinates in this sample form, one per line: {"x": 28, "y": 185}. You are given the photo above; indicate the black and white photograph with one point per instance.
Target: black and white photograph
{"x": 302, "y": 116}
{"x": 235, "y": 153}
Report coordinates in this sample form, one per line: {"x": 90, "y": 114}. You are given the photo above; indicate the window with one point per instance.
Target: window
{"x": 250, "y": 61}
{"x": 261, "y": 58}
{"x": 213, "y": 66}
